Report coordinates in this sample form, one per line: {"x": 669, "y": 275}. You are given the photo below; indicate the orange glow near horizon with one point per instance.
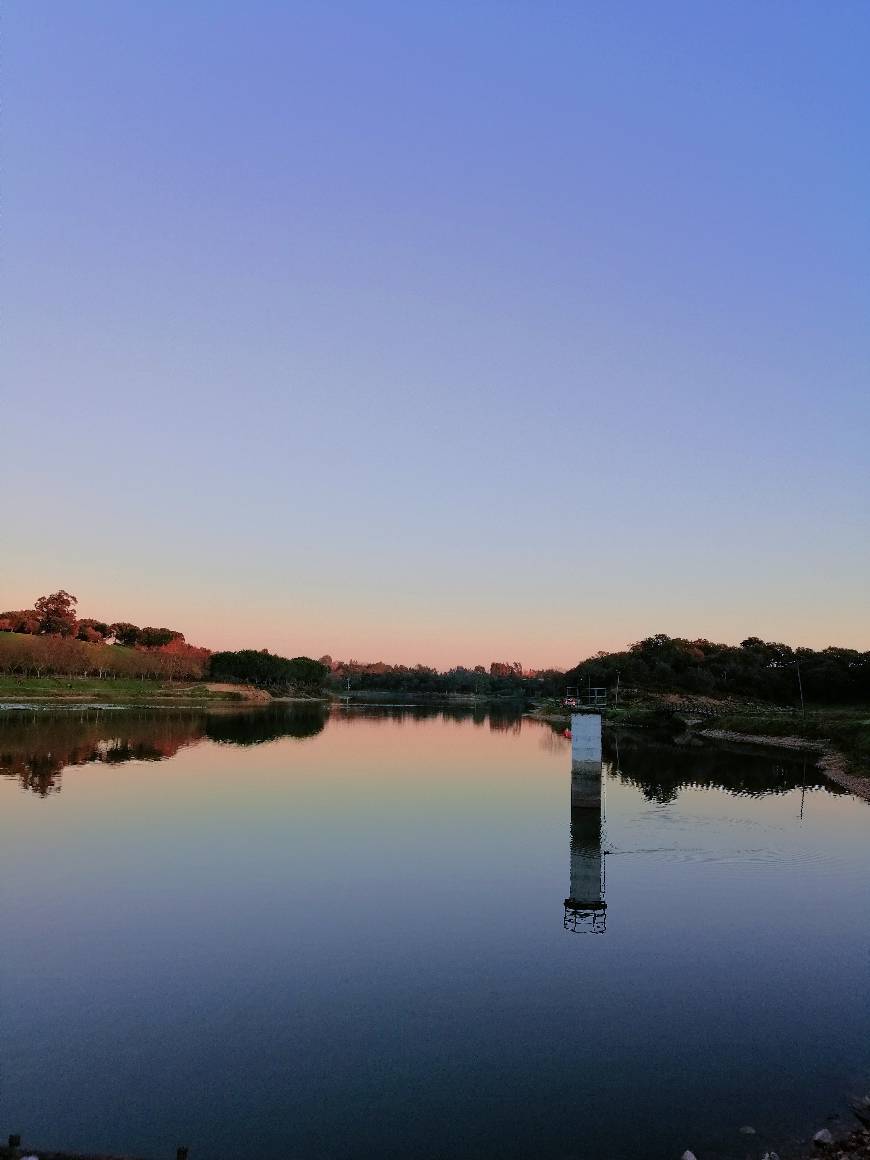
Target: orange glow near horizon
{"x": 551, "y": 637}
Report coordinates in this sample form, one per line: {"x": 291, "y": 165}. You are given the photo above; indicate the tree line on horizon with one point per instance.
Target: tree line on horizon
{"x": 49, "y": 639}
{"x": 757, "y": 669}
{"x": 55, "y": 615}
{"x": 499, "y": 679}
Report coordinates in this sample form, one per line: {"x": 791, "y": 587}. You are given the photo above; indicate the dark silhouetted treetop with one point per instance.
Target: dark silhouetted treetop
{"x": 125, "y": 633}
{"x": 767, "y": 670}
{"x": 267, "y": 671}
{"x": 158, "y": 637}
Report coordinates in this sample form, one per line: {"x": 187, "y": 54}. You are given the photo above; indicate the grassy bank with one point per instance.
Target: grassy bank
{"x": 107, "y": 690}
{"x": 846, "y": 728}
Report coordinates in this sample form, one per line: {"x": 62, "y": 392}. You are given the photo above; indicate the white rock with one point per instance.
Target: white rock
{"x": 688, "y": 1156}
{"x": 747, "y": 1131}
{"x": 824, "y": 1138}
{"x": 770, "y": 1156}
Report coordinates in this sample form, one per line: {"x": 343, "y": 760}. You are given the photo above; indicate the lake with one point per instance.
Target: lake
{"x": 295, "y": 932}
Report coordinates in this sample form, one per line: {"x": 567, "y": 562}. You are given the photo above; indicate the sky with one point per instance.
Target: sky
{"x": 440, "y": 332}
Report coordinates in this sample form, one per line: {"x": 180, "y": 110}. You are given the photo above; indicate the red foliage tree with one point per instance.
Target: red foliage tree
{"x": 57, "y": 614}
{"x": 93, "y": 631}
{"x": 23, "y": 620}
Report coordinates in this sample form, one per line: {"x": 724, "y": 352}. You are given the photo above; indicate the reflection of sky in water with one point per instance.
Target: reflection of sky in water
{"x": 351, "y": 942}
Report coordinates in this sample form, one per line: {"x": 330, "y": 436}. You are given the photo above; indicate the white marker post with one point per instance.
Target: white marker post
{"x": 586, "y": 761}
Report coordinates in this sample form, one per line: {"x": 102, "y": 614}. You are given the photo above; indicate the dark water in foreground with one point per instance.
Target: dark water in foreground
{"x": 281, "y": 935}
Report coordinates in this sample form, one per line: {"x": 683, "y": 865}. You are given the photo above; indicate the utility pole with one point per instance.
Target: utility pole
{"x": 797, "y": 665}
{"x": 803, "y": 785}
{"x": 616, "y": 695}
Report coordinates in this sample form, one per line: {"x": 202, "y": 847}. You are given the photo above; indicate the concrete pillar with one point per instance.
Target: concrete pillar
{"x": 586, "y": 761}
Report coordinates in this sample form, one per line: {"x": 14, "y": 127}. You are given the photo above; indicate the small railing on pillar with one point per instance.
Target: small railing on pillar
{"x": 585, "y": 919}
{"x": 592, "y": 697}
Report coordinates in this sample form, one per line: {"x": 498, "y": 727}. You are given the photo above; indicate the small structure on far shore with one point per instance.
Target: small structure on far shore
{"x": 592, "y": 697}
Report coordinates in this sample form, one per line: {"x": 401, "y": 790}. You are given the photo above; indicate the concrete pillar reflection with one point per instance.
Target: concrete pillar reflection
{"x": 587, "y": 888}
{"x": 585, "y": 908}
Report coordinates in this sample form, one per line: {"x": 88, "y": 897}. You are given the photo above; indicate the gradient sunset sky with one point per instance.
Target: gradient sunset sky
{"x": 441, "y": 332}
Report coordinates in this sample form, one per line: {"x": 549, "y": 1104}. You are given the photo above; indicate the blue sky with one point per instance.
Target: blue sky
{"x": 439, "y": 331}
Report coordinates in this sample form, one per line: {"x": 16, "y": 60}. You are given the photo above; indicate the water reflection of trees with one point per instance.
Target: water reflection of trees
{"x": 661, "y": 769}
{"x": 304, "y": 719}
{"x": 507, "y": 718}
{"x": 36, "y": 746}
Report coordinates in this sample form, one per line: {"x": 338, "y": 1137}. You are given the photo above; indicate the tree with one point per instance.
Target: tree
{"x": 125, "y": 633}
{"x": 93, "y": 631}
{"x": 157, "y": 637}
{"x": 56, "y": 613}
{"x": 301, "y": 674}
{"x": 23, "y": 620}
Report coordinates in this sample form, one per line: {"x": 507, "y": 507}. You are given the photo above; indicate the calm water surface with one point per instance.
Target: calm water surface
{"x": 288, "y": 934}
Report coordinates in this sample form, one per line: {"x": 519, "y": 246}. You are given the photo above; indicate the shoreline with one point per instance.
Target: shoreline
{"x": 843, "y": 1143}
{"x": 830, "y": 761}
{"x": 123, "y": 694}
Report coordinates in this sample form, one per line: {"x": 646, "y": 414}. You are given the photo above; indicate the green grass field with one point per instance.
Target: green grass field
{"x": 123, "y": 690}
